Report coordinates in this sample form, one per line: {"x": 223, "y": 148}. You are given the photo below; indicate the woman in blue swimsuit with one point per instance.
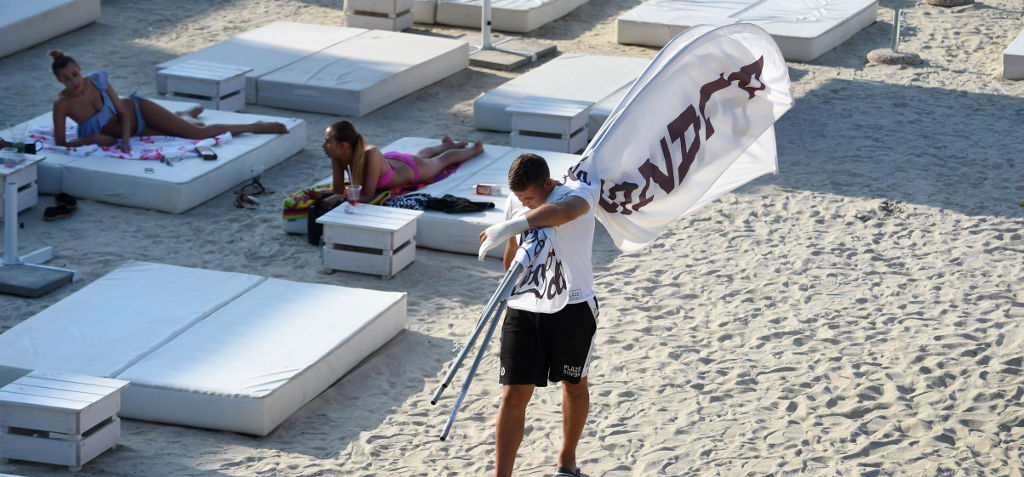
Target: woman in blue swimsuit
{"x": 105, "y": 119}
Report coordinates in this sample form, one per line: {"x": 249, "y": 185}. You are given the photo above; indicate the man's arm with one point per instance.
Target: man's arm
{"x": 557, "y": 213}
{"x": 547, "y": 215}
{"x": 510, "y": 252}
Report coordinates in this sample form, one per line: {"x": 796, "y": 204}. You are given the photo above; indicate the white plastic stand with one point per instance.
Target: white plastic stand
{"x": 32, "y": 260}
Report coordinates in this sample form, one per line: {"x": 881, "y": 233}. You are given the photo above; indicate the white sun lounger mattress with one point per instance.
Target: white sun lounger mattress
{"x": 518, "y": 16}
{"x": 588, "y": 78}
{"x": 803, "y": 29}
{"x": 177, "y": 188}
{"x": 363, "y": 73}
{"x": 25, "y": 23}
{"x": 460, "y": 232}
{"x": 1013, "y": 59}
{"x": 265, "y": 49}
{"x": 204, "y": 348}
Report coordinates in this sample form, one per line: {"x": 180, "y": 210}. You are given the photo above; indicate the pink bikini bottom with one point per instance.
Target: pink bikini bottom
{"x": 398, "y": 156}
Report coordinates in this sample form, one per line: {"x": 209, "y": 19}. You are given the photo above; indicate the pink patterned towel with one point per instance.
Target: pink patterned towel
{"x": 146, "y": 148}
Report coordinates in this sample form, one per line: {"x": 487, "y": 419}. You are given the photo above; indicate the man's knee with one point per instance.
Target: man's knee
{"x": 516, "y": 396}
{"x": 576, "y": 390}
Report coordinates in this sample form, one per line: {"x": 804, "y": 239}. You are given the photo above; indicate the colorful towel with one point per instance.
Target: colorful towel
{"x": 146, "y": 148}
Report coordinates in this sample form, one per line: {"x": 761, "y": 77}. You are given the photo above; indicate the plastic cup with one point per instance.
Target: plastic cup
{"x": 354, "y": 191}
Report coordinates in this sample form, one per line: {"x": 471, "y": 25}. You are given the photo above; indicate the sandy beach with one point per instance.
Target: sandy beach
{"x": 860, "y": 313}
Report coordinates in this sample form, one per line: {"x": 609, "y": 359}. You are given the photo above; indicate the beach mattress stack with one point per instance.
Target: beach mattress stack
{"x": 1013, "y": 59}
{"x": 803, "y": 29}
{"x": 204, "y": 348}
{"x": 333, "y": 70}
{"x": 168, "y": 188}
{"x": 600, "y": 80}
{"x": 25, "y": 23}
{"x": 460, "y": 233}
{"x": 518, "y": 16}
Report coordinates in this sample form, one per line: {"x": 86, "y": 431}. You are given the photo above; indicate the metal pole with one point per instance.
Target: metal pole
{"x": 896, "y": 31}
{"x": 492, "y": 307}
{"x": 485, "y": 26}
{"x": 10, "y": 223}
{"x": 514, "y": 271}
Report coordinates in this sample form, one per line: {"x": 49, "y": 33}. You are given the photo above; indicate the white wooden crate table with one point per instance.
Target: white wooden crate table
{"x": 394, "y": 15}
{"x": 549, "y": 124}
{"x": 369, "y": 239}
{"x": 212, "y": 85}
{"x": 21, "y": 171}
{"x": 58, "y": 418}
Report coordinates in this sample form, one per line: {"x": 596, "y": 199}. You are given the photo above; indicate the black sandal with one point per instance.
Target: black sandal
{"x": 67, "y": 199}
{"x": 57, "y": 212}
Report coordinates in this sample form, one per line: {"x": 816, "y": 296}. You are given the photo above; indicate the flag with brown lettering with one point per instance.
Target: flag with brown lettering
{"x": 695, "y": 125}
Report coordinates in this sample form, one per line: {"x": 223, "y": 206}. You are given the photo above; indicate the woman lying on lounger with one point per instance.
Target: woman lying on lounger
{"x": 103, "y": 116}
{"x": 376, "y": 171}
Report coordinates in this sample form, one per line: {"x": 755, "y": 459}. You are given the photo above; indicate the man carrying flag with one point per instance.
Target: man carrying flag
{"x": 548, "y": 332}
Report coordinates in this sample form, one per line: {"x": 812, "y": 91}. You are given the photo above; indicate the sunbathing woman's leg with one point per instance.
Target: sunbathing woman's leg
{"x": 432, "y": 166}
{"x": 446, "y": 144}
{"x": 160, "y": 121}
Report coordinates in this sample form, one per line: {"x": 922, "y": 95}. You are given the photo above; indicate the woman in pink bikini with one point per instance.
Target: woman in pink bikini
{"x": 377, "y": 171}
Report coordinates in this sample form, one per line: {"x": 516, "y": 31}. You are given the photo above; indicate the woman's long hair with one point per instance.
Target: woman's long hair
{"x": 344, "y": 131}
{"x": 60, "y": 60}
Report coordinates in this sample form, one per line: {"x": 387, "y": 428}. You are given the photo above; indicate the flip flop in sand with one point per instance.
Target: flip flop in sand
{"x": 57, "y": 212}
{"x": 245, "y": 201}
{"x": 253, "y": 188}
{"x": 563, "y": 472}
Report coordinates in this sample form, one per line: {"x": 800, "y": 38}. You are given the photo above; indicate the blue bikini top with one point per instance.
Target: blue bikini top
{"x": 94, "y": 124}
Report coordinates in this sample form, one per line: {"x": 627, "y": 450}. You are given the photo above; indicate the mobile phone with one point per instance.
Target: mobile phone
{"x": 206, "y": 152}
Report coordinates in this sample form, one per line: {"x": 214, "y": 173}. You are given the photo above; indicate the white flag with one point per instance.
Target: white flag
{"x": 695, "y": 125}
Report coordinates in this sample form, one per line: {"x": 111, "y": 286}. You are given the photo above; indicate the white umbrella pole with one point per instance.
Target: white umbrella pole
{"x": 485, "y": 26}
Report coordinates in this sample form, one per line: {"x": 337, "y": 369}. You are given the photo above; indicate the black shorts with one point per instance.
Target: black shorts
{"x": 537, "y": 347}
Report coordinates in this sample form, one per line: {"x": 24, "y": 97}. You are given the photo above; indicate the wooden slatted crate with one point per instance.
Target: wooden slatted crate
{"x": 369, "y": 239}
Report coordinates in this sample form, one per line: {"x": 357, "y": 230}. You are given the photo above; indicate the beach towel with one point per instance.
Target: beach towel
{"x": 147, "y": 148}
{"x": 696, "y": 124}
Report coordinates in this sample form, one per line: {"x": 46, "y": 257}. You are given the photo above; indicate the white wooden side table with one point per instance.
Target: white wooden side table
{"x": 369, "y": 239}
{"x": 212, "y": 85}
{"x": 21, "y": 171}
{"x": 549, "y": 124}
{"x": 58, "y": 418}
{"x": 393, "y": 15}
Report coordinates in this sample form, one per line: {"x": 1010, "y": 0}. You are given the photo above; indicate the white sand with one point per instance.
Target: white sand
{"x": 773, "y": 333}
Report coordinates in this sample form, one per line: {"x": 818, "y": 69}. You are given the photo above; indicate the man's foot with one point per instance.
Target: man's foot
{"x": 264, "y": 127}
{"x": 447, "y": 141}
{"x": 563, "y": 472}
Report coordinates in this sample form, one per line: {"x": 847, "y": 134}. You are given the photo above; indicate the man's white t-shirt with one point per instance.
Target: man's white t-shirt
{"x": 574, "y": 241}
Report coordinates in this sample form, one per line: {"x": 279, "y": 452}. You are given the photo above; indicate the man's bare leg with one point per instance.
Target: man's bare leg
{"x": 575, "y": 405}
{"x": 511, "y": 425}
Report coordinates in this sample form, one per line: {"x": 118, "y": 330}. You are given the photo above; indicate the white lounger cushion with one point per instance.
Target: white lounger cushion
{"x": 205, "y": 348}
{"x": 25, "y": 23}
{"x": 460, "y": 232}
{"x": 1013, "y": 59}
{"x": 251, "y": 364}
{"x": 588, "y": 78}
{"x": 803, "y": 29}
{"x": 264, "y": 49}
{"x": 118, "y": 319}
{"x": 152, "y": 185}
{"x": 363, "y": 73}
{"x": 518, "y": 16}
